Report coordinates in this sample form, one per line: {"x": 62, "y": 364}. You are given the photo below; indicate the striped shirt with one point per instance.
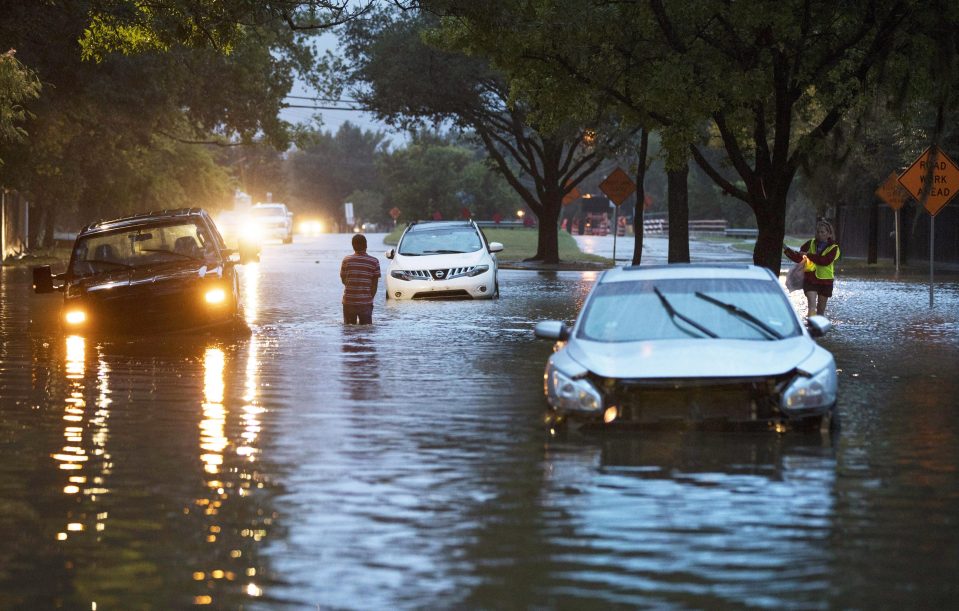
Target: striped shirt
{"x": 358, "y": 271}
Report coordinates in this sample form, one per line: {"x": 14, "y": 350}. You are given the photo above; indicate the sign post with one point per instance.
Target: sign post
{"x": 617, "y": 187}
{"x": 931, "y": 179}
{"x": 895, "y": 196}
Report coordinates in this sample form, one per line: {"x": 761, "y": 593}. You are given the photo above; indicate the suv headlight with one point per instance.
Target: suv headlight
{"x": 479, "y": 269}
{"x": 815, "y": 391}
{"x": 400, "y": 274}
{"x": 571, "y": 394}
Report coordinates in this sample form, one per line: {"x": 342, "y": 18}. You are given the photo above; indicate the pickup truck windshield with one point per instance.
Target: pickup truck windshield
{"x": 141, "y": 246}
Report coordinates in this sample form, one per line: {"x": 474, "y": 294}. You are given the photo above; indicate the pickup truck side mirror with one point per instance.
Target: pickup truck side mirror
{"x": 42, "y": 279}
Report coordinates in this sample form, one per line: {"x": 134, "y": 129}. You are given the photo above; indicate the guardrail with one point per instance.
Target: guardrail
{"x": 742, "y": 232}
{"x": 501, "y": 224}
{"x": 695, "y": 226}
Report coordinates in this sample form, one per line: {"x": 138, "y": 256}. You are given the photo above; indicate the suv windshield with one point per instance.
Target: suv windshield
{"x": 140, "y": 246}
{"x": 634, "y": 311}
{"x": 440, "y": 240}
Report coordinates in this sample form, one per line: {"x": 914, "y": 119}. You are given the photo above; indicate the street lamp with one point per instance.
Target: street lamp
{"x": 520, "y": 213}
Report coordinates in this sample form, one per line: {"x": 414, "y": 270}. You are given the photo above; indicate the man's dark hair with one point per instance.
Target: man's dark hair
{"x": 359, "y": 242}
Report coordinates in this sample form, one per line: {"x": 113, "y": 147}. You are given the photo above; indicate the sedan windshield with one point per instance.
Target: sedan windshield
{"x": 677, "y": 309}
{"x": 440, "y": 240}
{"x": 134, "y": 247}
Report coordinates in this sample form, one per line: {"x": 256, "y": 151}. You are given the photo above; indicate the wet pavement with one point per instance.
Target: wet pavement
{"x": 406, "y": 465}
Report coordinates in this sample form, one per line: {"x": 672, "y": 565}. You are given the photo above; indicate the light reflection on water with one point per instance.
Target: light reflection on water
{"x": 318, "y": 465}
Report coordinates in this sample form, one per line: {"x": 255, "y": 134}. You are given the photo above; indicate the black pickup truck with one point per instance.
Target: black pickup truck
{"x": 165, "y": 271}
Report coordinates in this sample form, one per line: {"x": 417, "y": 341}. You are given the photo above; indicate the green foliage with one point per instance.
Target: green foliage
{"x": 18, "y": 84}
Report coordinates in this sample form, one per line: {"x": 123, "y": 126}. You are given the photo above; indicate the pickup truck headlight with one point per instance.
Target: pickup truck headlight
{"x": 215, "y": 296}
{"x": 816, "y": 391}
{"x": 569, "y": 394}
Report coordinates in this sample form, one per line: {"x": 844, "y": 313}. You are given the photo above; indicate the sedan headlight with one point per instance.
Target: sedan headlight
{"x": 817, "y": 391}
{"x": 571, "y": 394}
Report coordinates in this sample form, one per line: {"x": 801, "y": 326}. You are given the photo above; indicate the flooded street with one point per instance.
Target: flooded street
{"x": 406, "y": 465}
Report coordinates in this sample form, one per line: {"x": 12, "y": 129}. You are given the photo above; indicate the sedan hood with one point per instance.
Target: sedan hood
{"x": 692, "y": 358}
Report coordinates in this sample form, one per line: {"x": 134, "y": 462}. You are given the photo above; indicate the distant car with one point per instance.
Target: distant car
{"x": 157, "y": 272}
{"x": 275, "y": 221}
{"x": 443, "y": 260}
{"x": 689, "y": 346}
{"x": 240, "y": 232}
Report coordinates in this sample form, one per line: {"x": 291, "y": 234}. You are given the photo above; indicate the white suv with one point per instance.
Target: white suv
{"x": 443, "y": 260}
{"x": 274, "y": 220}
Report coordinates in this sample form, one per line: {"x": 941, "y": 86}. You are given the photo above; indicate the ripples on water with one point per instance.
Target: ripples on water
{"x": 406, "y": 465}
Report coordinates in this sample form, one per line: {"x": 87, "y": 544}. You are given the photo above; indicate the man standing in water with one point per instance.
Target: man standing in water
{"x": 360, "y": 274}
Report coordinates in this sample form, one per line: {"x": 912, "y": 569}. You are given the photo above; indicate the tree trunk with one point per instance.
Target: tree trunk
{"x": 771, "y": 222}
{"x": 640, "y": 207}
{"x": 678, "y": 214}
{"x": 547, "y": 248}
{"x": 49, "y": 225}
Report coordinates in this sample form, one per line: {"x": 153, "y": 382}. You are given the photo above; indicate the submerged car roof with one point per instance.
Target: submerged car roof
{"x": 139, "y": 219}
{"x": 687, "y": 271}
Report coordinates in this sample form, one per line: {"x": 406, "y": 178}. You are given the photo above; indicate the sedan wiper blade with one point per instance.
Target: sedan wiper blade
{"x": 673, "y": 315}
{"x": 741, "y": 313}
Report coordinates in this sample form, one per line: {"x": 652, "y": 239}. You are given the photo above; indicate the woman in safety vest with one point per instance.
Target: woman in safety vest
{"x": 820, "y": 255}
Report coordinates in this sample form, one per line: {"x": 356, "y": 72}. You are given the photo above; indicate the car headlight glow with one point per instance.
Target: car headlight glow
{"x": 251, "y": 231}
{"x": 571, "y": 394}
{"x": 215, "y": 296}
{"x": 75, "y": 317}
{"x": 815, "y": 391}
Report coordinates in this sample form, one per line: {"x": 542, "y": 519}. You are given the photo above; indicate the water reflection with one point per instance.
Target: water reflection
{"x": 361, "y": 366}
{"x": 84, "y": 455}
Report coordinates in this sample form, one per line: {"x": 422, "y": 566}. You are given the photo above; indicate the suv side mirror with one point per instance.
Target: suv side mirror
{"x": 42, "y": 279}
{"x": 495, "y": 247}
{"x": 391, "y": 253}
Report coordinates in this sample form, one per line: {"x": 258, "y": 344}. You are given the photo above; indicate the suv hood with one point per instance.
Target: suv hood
{"x": 692, "y": 358}
{"x": 440, "y": 261}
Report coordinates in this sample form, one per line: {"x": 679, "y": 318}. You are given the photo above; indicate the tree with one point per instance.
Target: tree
{"x": 18, "y": 84}
{"x": 772, "y": 83}
{"x": 409, "y": 83}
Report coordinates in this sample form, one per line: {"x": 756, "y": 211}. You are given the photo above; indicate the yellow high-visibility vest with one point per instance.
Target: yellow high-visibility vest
{"x": 823, "y": 272}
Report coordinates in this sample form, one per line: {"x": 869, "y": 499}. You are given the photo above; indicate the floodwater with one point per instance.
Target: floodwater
{"x": 312, "y": 466}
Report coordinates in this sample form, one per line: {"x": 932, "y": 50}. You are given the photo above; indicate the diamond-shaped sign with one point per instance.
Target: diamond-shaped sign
{"x": 618, "y": 186}
{"x": 932, "y": 179}
{"x": 572, "y": 196}
{"x": 893, "y": 193}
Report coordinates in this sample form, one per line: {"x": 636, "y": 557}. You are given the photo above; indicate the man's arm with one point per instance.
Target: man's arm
{"x": 373, "y": 284}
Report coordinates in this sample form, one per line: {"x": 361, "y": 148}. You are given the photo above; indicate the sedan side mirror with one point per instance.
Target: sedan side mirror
{"x": 391, "y": 253}
{"x": 42, "y": 279}
{"x": 495, "y": 247}
{"x": 818, "y": 325}
{"x": 551, "y": 329}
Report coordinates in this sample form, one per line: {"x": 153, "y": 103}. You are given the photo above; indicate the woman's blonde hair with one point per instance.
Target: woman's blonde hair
{"x": 828, "y": 226}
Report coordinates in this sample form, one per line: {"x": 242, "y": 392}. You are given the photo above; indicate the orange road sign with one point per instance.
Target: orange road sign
{"x": 932, "y": 179}
{"x": 618, "y": 186}
{"x": 572, "y": 196}
{"x": 395, "y": 212}
{"x": 893, "y": 193}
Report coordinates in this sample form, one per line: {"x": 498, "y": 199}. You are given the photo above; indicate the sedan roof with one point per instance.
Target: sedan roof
{"x": 687, "y": 271}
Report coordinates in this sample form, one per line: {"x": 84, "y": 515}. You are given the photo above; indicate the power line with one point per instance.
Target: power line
{"x": 357, "y": 109}
{"x": 316, "y": 99}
